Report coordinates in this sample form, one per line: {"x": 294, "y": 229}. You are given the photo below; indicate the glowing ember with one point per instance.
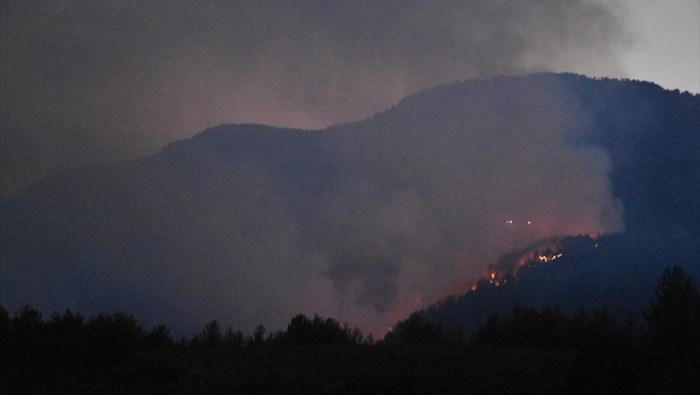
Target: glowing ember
{"x": 549, "y": 258}
{"x": 508, "y": 266}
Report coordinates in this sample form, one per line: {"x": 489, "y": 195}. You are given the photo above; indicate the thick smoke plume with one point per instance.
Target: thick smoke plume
{"x": 450, "y": 180}
{"x": 364, "y": 222}
{"x": 96, "y": 81}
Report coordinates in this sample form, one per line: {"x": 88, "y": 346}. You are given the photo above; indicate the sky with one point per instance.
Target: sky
{"x": 666, "y": 43}
{"x": 99, "y": 81}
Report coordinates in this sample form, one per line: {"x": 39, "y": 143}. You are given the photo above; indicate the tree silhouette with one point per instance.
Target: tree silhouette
{"x": 23, "y": 360}
{"x": 28, "y": 322}
{"x": 4, "y": 333}
{"x": 67, "y": 339}
{"x": 233, "y": 339}
{"x": 211, "y": 335}
{"x": 527, "y": 327}
{"x": 416, "y": 329}
{"x": 259, "y": 335}
{"x": 319, "y": 330}
{"x": 159, "y": 338}
{"x": 114, "y": 338}
{"x": 674, "y": 317}
{"x": 674, "y": 326}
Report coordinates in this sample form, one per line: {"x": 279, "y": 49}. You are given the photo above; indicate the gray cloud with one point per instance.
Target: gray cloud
{"x": 86, "y": 81}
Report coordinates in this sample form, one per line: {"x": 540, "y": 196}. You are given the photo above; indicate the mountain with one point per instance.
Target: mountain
{"x": 573, "y": 272}
{"x": 367, "y": 221}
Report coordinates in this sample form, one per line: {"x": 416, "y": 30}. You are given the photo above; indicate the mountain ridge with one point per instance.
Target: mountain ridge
{"x": 364, "y": 221}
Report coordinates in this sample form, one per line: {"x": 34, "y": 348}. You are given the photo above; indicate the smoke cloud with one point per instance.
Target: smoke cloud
{"x": 451, "y": 179}
{"x": 364, "y": 222}
{"x": 87, "y": 82}
{"x": 421, "y": 195}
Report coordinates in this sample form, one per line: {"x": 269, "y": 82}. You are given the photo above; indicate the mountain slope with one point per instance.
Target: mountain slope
{"x": 365, "y": 221}
{"x": 574, "y": 272}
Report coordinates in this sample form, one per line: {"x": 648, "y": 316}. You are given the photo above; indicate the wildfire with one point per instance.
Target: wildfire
{"x": 493, "y": 280}
{"x": 508, "y": 266}
{"x": 549, "y": 258}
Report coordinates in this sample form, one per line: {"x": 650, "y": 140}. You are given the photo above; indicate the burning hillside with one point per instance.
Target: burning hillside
{"x": 508, "y": 266}
{"x": 551, "y": 271}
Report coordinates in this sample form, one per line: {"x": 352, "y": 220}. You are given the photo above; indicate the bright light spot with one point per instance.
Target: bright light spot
{"x": 529, "y": 222}
{"x": 509, "y": 222}
{"x": 549, "y": 258}
{"x": 543, "y": 254}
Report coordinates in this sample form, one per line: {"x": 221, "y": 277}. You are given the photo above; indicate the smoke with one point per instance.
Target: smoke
{"x": 364, "y": 222}
{"x": 420, "y": 196}
{"x": 446, "y": 182}
{"x": 87, "y": 82}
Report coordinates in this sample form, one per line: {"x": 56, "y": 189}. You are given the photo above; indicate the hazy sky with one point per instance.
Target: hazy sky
{"x": 666, "y": 43}
{"x": 99, "y": 81}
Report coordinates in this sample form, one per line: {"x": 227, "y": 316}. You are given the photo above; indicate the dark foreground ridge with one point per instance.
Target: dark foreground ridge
{"x": 525, "y": 351}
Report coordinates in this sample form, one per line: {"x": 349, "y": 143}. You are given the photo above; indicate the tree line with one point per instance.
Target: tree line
{"x": 34, "y": 349}
{"x": 612, "y": 355}
{"x": 70, "y": 338}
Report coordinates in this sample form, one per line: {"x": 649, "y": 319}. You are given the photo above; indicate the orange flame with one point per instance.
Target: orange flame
{"x": 549, "y": 258}
{"x": 498, "y": 273}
